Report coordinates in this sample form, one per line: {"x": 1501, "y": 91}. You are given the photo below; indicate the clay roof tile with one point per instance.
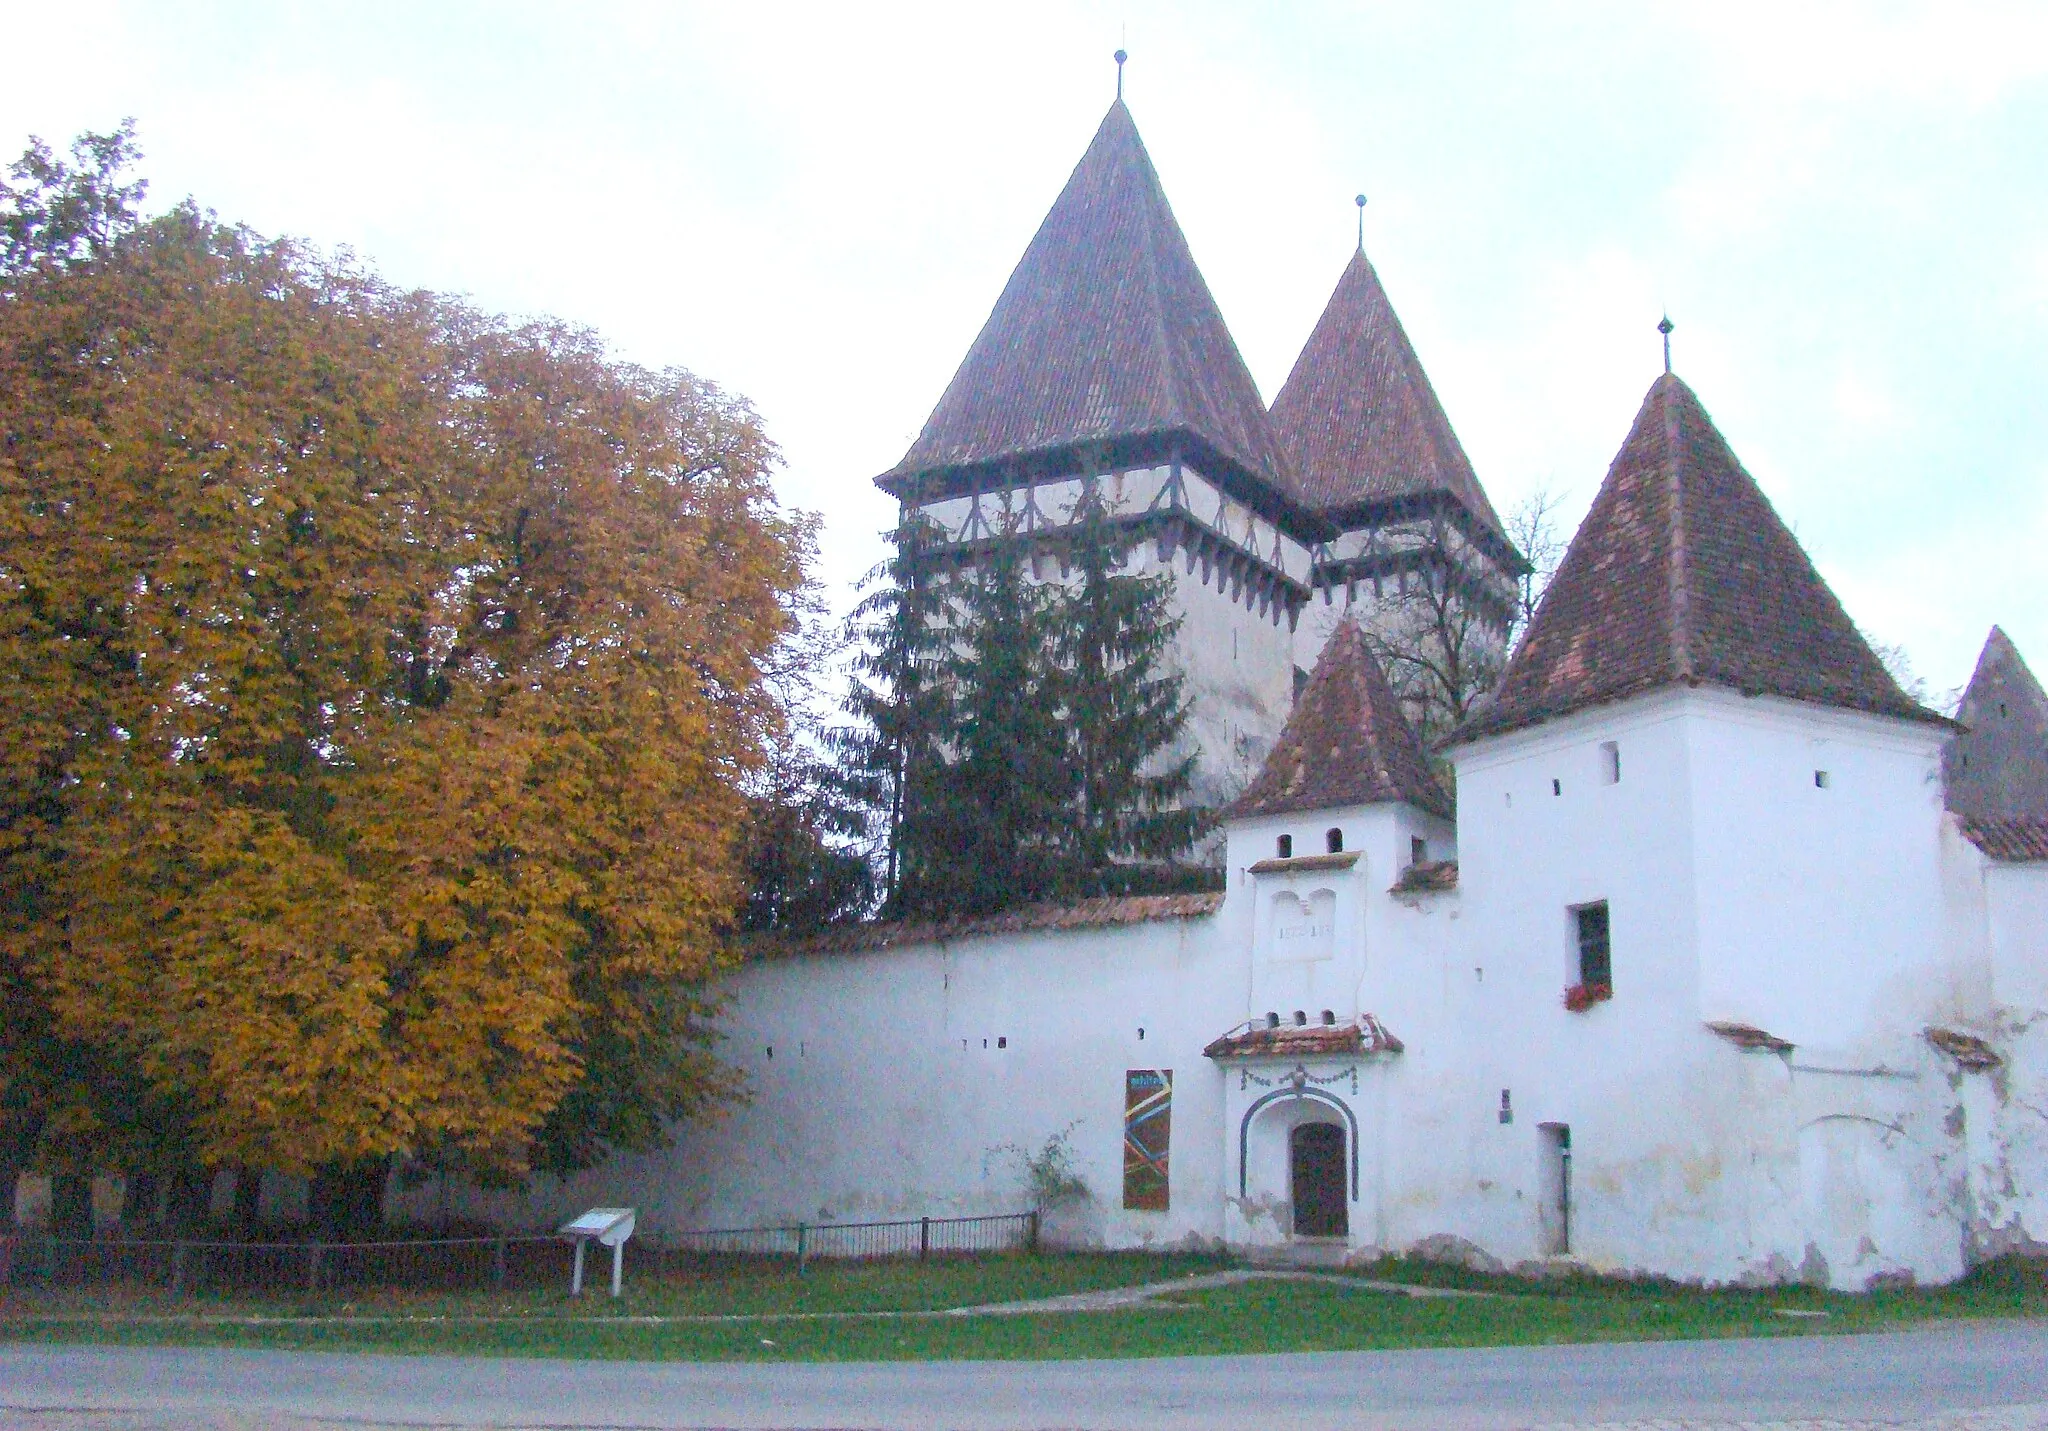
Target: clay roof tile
{"x": 1357, "y": 419}
{"x": 1252, "y": 1039}
{"x": 1108, "y": 911}
{"x": 1347, "y": 742}
{"x": 1105, "y": 330}
{"x": 1683, "y": 574}
{"x": 2021, "y": 841}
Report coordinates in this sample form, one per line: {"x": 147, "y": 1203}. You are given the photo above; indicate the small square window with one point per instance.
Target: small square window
{"x": 1820, "y": 780}
{"x": 1333, "y": 841}
{"x": 1596, "y": 956}
{"x": 1284, "y": 847}
{"x": 1557, "y": 787}
{"x": 1418, "y": 850}
{"x": 1610, "y": 762}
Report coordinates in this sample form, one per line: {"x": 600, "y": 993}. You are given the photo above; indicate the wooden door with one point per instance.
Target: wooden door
{"x": 1316, "y": 1165}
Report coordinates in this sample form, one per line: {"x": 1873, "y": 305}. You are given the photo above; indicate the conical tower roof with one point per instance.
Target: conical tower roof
{"x": 1997, "y": 767}
{"x": 1683, "y": 574}
{"x": 1357, "y": 420}
{"x": 1347, "y": 742}
{"x": 1104, "y": 331}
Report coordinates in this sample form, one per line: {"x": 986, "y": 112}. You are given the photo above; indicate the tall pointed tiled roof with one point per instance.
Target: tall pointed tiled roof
{"x": 1105, "y": 330}
{"x": 1357, "y": 419}
{"x": 1997, "y": 766}
{"x": 1683, "y": 574}
{"x": 1347, "y": 742}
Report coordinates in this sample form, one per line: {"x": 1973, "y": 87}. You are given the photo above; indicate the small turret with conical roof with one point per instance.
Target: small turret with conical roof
{"x": 1347, "y": 743}
{"x": 1683, "y": 574}
{"x": 1997, "y": 766}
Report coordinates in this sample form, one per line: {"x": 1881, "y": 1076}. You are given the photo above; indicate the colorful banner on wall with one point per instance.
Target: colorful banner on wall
{"x": 1148, "y": 1135}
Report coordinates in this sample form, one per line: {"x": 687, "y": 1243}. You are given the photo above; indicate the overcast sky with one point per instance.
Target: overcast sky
{"x": 1842, "y": 207}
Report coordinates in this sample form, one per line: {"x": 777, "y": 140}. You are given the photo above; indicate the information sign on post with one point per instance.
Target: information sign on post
{"x": 610, "y": 1226}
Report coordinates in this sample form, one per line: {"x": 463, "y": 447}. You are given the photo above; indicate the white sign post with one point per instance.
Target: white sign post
{"x": 611, "y": 1226}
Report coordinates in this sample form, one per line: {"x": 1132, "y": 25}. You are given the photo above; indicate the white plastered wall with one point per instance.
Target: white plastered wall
{"x": 913, "y": 1081}
{"x": 1239, "y": 669}
{"x": 1817, "y": 840}
{"x": 1370, "y": 952}
{"x": 1997, "y": 927}
{"x": 1541, "y": 832}
{"x": 1739, "y": 891}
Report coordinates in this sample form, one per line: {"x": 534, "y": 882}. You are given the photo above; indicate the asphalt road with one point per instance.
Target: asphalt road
{"x": 1987, "y": 1375}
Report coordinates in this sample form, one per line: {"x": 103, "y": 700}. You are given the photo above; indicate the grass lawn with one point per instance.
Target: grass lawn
{"x": 883, "y": 1311}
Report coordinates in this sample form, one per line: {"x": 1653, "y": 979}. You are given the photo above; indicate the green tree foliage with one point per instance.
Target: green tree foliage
{"x": 891, "y": 760}
{"x": 385, "y": 681}
{"x": 996, "y": 834}
{"x": 1018, "y": 732}
{"x": 1123, "y": 710}
{"x": 58, "y": 213}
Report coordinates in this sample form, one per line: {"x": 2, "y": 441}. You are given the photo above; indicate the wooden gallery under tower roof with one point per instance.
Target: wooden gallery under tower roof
{"x": 1106, "y": 363}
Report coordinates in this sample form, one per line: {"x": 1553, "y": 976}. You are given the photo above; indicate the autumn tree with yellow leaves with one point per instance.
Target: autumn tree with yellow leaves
{"x": 382, "y": 681}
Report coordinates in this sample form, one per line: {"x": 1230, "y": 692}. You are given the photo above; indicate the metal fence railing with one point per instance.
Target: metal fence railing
{"x": 184, "y": 1265}
{"x": 456, "y": 1263}
{"x": 911, "y": 1237}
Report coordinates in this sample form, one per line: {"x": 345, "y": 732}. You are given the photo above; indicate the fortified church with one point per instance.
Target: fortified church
{"x": 1728, "y": 961}
{"x": 1106, "y": 364}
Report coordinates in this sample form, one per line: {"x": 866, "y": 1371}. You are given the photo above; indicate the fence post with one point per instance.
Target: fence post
{"x": 803, "y": 1237}
{"x": 177, "y": 1268}
{"x": 498, "y": 1264}
{"x": 1034, "y": 1230}
{"x": 924, "y": 1238}
{"x": 312, "y": 1267}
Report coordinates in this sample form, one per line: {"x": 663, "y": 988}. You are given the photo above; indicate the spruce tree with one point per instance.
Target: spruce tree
{"x": 1123, "y": 710}
{"x": 1014, "y": 738}
{"x": 892, "y": 759}
{"x": 994, "y": 835}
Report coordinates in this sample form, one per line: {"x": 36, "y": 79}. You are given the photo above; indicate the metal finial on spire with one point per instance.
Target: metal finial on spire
{"x": 1361, "y": 223}
{"x": 1120, "y": 57}
{"x": 1664, "y": 326}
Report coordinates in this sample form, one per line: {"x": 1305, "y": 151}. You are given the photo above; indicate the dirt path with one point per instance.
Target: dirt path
{"x": 1115, "y": 1297}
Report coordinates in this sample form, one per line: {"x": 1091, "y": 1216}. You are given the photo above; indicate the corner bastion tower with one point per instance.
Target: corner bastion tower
{"x": 1106, "y": 364}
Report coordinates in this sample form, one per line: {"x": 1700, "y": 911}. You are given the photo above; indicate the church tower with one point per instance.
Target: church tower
{"x": 1106, "y": 363}
{"x": 1417, "y": 551}
{"x": 1106, "y": 366}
